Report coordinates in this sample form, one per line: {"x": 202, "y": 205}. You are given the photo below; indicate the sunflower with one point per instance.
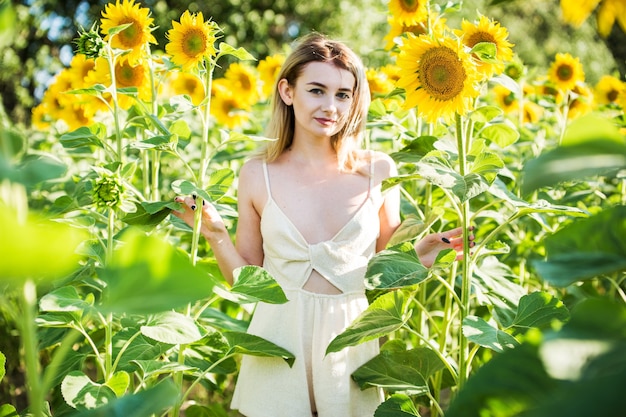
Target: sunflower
{"x": 437, "y": 76}
{"x": 582, "y": 103}
{"x": 40, "y": 117}
{"x": 566, "y": 71}
{"x": 576, "y": 12}
{"x": 409, "y": 12}
{"x": 226, "y": 106}
{"x": 532, "y": 112}
{"x": 189, "y": 84}
{"x": 244, "y": 83}
{"x": 397, "y": 29}
{"x": 269, "y": 69}
{"x": 608, "y": 13}
{"x": 192, "y": 40}
{"x": 487, "y": 30}
{"x": 505, "y": 99}
{"x": 134, "y": 37}
{"x": 607, "y": 90}
{"x": 126, "y": 76}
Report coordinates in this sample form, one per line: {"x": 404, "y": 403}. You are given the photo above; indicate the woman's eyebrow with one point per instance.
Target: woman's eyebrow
{"x": 322, "y": 85}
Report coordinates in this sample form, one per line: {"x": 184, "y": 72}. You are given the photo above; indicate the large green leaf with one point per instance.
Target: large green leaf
{"x": 65, "y": 299}
{"x": 406, "y": 371}
{"x": 36, "y": 248}
{"x": 415, "y": 150}
{"x": 253, "y": 284}
{"x": 147, "y": 275}
{"x": 494, "y": 286}
{"x": 7, "y": 410}
{"x": 586, "y": 248}
{"x": 392, "y": 268}
{"x": 250, "y": 344}
{"x": 383, "y": 316}
{"x": 81, "y": 393}
{"x": 211, "y": 353}
{"x": 138, "y": 347}
{"x": 591, "y": 146}
{"x": 439, "y": 173}
{"x": 147, "y": 403}
{"x": 172, "y": 328}
{"x": 501, "y": 134}
{"x": 539, "y": 309}
{"x": 478, "y": 331}
{"x": 397, "y": 405}
{"x": 150, "y": 213}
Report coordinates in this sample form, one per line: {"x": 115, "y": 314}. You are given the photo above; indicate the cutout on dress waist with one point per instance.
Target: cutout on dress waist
{"x": 318, "y": 284}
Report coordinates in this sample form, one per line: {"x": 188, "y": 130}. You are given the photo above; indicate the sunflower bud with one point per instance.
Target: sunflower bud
{"x": 89, "y": 43}
{"x": 514, "y": 69}
{"x": 107, "y": 191}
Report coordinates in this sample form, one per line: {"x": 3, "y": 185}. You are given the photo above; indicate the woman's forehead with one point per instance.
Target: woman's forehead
{"x": 328, "y": 74}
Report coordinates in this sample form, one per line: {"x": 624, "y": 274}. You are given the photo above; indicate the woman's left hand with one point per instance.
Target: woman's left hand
{"x": 429, "y": 247}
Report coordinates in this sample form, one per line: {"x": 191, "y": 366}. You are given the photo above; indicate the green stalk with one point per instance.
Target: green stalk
{"x": 116, "y": 107}
{"x": 204, "y": 160}
{"x": 467, "y": 267}
{"x": 156, "y": 162}
{"x": 29, "y": 345}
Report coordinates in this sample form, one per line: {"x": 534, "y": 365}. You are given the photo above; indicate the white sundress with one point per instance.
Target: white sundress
{"x": 308, "y": 322}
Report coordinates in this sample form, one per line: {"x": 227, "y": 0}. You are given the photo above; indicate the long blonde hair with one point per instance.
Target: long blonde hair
{"x": 316, "y": 47}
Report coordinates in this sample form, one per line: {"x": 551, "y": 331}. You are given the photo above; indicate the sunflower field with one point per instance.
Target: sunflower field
{"x": 111, "y": 306}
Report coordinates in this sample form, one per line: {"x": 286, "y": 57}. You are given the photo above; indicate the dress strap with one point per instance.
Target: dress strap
{"x": 371, "y": 171}
{"x": 267, "y": 179}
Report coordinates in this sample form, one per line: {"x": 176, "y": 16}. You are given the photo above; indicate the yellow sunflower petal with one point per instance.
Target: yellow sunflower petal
{"x": 576, "y": 12}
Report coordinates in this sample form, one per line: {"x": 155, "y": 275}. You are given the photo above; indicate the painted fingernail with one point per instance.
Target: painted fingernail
{"x": 194, "y": 196}
{"x": 203, "y": 203}
{"x": 445, "y": 240}
{"x": 193, "y": 206}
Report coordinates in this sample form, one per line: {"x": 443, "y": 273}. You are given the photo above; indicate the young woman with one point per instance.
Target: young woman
{"x": 311, "y": 212}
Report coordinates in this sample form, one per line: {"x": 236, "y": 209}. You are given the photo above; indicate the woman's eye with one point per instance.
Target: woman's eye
{"x": 316, "y": 91}
{"x": 343, "y": 96}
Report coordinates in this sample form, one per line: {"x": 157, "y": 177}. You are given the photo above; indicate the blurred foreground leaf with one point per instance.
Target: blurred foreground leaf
{"x": 586, "y": 248}
{"x": 591, "y": 146}
{"x": 37, "y": 248}
{"x": 147, "y": 275}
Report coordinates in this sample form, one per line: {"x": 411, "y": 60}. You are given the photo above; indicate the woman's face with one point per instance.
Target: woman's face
{"x": 321, "y": 98}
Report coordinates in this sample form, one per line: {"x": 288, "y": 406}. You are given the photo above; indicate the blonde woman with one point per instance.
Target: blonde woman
{"x": 311, "y": 212}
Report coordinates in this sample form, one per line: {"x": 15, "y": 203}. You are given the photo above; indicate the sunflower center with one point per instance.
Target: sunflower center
{"x": 132, "y": 35}
{"x": 409, "y": 5}
{"x": 190, "y": 85}
{"x": 612, "y": 95}
{"x": 128, "y": 76}
{"x": 565, "y": 72}
{"x": 194, "y": 43}
{"x": 479, "y": 37}
{"x": 441, "y": 73}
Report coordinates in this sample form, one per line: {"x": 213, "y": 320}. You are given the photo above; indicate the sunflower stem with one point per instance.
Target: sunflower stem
{"x": 116, "y": 108}
{"x": 204, "y": 160}
{"x": 466, "y": 262}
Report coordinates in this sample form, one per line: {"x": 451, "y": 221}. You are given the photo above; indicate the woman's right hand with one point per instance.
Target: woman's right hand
{"x": 212, "y": 222}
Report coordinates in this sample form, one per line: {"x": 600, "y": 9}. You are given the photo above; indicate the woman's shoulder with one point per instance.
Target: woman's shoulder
{"x": 379, "y": 162}
{"x": 251, "y": 173}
